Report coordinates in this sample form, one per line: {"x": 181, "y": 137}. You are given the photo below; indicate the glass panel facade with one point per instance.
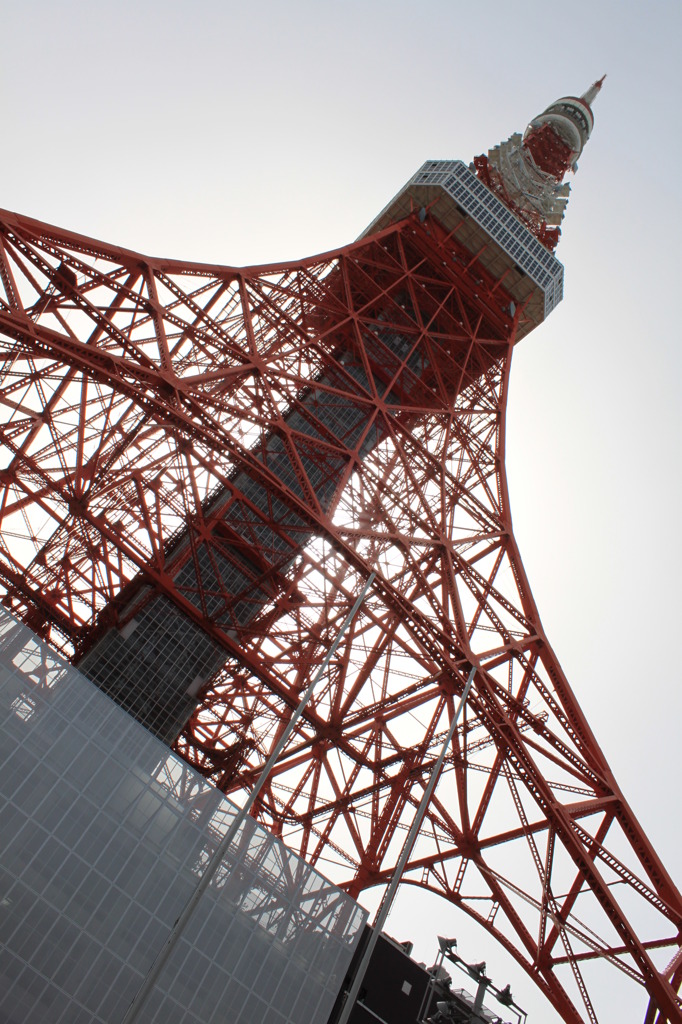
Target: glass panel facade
{"x": 103, "y": 836}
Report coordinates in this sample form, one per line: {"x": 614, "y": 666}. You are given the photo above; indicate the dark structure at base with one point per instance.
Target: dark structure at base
{"x": 398, "y": 990}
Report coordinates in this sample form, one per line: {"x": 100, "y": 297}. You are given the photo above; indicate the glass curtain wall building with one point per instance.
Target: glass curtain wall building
{"x": 103, "y": 836}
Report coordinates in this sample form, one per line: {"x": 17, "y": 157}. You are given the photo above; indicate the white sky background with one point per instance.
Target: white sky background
{"x": 251, "y": 133}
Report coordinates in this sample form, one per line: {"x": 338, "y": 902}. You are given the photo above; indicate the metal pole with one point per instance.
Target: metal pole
{"x": 133, "y": 1011}
{"x": 389, "y": 895}
{"x": 430, "y": 988}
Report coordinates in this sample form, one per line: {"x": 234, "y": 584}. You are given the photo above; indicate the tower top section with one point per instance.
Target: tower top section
{"x": 506, "y": 207}
{"x": 570, "y": 119}
{"x": 527, "y": 171}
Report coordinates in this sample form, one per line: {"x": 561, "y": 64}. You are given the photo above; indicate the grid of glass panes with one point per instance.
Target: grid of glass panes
{"x": 103, "y": 836}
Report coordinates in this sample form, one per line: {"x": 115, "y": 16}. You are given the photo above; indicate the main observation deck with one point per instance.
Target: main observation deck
{"x": 494, "y": 235}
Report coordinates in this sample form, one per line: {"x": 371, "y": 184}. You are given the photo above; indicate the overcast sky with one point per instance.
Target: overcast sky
{"x": 249, "y": 133}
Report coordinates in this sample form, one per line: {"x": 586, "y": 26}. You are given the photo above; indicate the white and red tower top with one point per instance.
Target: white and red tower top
{"x": 506, "y": 206}
{"x": 527, "y": 171}
{"x": 557, "y": 136}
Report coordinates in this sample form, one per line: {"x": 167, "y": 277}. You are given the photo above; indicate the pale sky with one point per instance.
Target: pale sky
{"x": 250, "y": 133}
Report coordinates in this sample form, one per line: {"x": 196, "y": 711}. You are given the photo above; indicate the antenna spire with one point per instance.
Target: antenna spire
{"x": 590, "y": 96}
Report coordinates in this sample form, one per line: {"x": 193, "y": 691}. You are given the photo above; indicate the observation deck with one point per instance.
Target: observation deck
{"x": 494, "y": 235}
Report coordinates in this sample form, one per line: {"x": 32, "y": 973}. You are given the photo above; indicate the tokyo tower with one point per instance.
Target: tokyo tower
{"x": 201, "y": 467}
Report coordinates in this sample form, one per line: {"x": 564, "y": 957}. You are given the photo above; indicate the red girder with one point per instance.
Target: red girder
{"x": 140, "y": 399}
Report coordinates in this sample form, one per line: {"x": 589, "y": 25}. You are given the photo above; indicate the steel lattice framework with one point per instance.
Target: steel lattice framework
{"x": 140, "y": 395}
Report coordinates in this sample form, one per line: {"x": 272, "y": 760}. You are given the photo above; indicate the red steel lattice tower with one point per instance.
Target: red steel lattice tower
{"x": 201, "y": 466}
